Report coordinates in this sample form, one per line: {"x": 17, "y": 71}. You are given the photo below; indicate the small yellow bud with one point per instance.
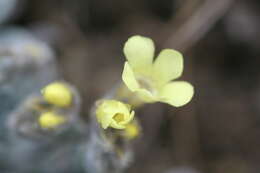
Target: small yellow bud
{"x": 58, "y": 94}
{"x": 50, "y": 120}
{"x": 131, "y": 131}
{"x": 115, "y": 114}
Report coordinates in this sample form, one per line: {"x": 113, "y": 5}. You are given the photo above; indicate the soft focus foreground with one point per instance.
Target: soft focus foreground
{"x": 80, "y": 44}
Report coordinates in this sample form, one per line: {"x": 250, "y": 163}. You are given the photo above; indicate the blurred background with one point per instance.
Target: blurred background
{"x": 219, "y": 131}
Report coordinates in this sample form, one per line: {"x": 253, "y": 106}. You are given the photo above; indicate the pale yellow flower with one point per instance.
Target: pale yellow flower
{"x": 152, "y": 80}
{"x": 50, "y": 120}
{"x": 57, "y": 93}
{"x": 112, "y": 113}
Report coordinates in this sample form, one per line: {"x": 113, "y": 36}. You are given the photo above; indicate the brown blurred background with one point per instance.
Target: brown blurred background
{"x": 219, "y": 131}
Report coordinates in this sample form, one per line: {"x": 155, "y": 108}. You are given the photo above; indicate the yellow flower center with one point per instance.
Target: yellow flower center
{"x": 118, "y": 117}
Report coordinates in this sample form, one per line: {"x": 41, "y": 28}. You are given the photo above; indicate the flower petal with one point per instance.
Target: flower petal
{"x": 105, "y": 122}
{"x": 145, "y": 95}
{"x": 177, "y": 93}
{"x": 129, "y": 117}
{"x": 139, "y": 51}
{"x": 116, "y": 125}
{"x": 129, "y": 78}
{"x": 168, "y": 66}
